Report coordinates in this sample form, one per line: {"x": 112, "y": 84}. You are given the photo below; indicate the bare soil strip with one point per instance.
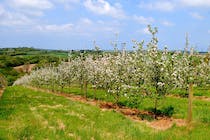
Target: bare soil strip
{"x": 25, "y": 68}
{"x": 203, "y": 98}
{"x": 160, "y": 123}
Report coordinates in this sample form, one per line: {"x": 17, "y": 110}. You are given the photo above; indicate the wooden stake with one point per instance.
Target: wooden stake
{"x": 190, "y": 98}
{"x": 85, "y": 86}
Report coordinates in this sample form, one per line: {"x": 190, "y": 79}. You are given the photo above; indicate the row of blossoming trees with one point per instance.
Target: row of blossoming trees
{"x": 135, "y": 74}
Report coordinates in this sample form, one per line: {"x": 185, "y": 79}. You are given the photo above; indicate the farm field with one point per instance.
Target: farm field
{"x": 28, "y": 114}
{"x": 199, "y": 92}
{"x": 15, "y": 61}
{"x": 146, "y": 89}
{"x": 12, "y": 59}
{"x": 104, "y": 70}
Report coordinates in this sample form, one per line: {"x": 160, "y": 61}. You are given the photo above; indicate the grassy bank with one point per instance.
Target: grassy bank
{"x": 27, "y": 114}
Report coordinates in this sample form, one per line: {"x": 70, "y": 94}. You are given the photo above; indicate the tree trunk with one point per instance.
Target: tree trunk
{"x": 190, "y": 98}
{"x": 53, "y": 87}
{"x": 155, "y": 108}
{"x": 95, "y": 92}
{"x": 81, "y": 87}
{"x": 69, "y": 87}
{"x": 85, "y": 86}
{"x": 117, "y": 98}
{"x": 62, "y": 88}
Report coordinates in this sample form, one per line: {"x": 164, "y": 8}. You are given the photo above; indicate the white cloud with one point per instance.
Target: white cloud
{"x": 31, "y": 13}
{"x": 68, "y": 4}
{"x": 82, "y": 27}
{"x": 143, "y": 20}
{"x": 167, "y": 23}
{"x": 68, "y": 1}
{"x": 196, "y": 3}
{"x": 16, "y": 13}
{"x": 166, "y": 5}
{"x": 144, "y": 31}
{"x": 87, "y": 27}
{"x": 12, "y": 18}
{"x": 86, "y": 21}
{"x": 2, "y": 10}
{"x": 55, "y": 28}
{"x": 196, "y": 15}
{"x": 102, "y": 7}
{"x": 158, "y": 5}
{"x": 30, "y": 7}
{"x": 32, "y": 4}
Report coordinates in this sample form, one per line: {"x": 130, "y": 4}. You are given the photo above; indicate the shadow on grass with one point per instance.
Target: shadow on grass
{"x": 153, "y": 114}
{"x": 5, "y": 112}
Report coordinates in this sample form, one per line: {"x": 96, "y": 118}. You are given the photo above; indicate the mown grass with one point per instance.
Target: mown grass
{"x": 101, "y": 94}
{"x": 27, "y": 114}
{"x": 179, "y": 104}
{"x": 200, "y": 107}
{"x": 198, "y": 91}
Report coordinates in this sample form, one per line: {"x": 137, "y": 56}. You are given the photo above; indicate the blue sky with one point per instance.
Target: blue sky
{"x": 75, "y": 24}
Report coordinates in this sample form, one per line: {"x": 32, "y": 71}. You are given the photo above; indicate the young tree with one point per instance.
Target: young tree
{"x": 190, "y": 69}
{"x": 156, "y": 72}
{"x": 82, "y": 73}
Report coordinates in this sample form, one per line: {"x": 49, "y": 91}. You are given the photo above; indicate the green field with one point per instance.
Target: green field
{"x": 27, "y": 114}
{"x": 12, "y": 57}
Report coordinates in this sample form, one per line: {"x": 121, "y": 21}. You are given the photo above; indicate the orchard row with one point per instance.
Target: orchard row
{"x": 135, "y": 74}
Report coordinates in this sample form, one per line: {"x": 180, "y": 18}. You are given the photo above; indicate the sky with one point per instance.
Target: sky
{"x": 77, "y": 24}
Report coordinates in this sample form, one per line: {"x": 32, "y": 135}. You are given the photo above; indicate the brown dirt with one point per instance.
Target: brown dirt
{"x": 203, "y": 98}
{"x": 180, "y": 122}
{"x": 61, "y": 125}
{"x": 108, "y": 105}
{"x": 128, "y": 111}
{"x": 51, "y": 107}
{"x": 70, "y": 134}
{"x": 160, "y": 123}
{"x": 25, "y": 68}
{"x": 166, "y": 123}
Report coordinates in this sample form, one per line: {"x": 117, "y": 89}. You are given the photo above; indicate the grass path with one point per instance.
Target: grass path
{"x": 162, "y": 123}
{"x": 29, "y": 114}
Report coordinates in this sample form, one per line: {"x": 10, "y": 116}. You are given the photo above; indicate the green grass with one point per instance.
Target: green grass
{"x": 198, "y": 91}
{"x": 180, "y": 104}
{"x": 75, "y": 89}
{"x": 200, "y": 111}
{"x": 200, "y": 108}
{"x": 27, "y": 114}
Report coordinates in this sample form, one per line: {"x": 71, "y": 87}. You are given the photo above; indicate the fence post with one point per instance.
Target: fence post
{"x": 190, "y": 98}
